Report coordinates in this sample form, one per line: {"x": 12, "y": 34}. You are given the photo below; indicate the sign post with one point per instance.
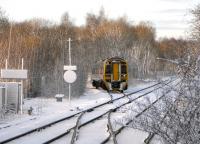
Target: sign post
{"x": 70, "y": 75}
{"x": 22, "y": 90}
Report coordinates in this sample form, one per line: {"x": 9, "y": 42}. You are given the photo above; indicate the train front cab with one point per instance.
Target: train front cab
{"x": 115, "y": 75}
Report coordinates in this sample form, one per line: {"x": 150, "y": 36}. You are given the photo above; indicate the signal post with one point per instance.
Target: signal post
{"x": 70, "y": 75}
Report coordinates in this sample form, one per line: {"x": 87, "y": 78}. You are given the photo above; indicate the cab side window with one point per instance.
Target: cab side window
{"x": 108, "y": 69}
{"x": 123, "y": 69}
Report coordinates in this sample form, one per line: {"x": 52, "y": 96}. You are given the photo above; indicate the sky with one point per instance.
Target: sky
{"x": 171, "y": 18}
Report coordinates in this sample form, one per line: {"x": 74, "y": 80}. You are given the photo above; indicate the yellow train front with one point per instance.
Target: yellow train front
{"x": 111, "y": 74}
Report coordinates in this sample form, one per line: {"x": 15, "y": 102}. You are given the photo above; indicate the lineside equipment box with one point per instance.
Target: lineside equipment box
{"x": 10, "y": 93}
{"x": 3, "y": 101}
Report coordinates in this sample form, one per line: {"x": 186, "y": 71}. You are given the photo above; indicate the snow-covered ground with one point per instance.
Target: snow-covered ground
{"x": 46, "y": 110}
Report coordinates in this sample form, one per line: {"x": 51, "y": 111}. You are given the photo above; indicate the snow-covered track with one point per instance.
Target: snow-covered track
{"x": 110, "y": 128}
{"x": 111, "y": 97}
{"x": 105, "y": 113}
{"x": 75, "y": 134}
{"x": 151, "y": 135}
{"x": 77, "y": 113}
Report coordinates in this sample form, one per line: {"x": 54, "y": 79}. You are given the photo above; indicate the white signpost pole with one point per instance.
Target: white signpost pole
{"x": 21, "y": 99}
{"x": 70, "y": 75}
{"x": 70, "y": 62}
{"x": 6, "y": 94}
{"x": 70, "y": 59}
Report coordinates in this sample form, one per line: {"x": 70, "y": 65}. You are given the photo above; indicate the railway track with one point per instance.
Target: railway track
{"x": 114, "y": 134}
{"x": 79, "y": 124}
{"x": 109, "y": 112}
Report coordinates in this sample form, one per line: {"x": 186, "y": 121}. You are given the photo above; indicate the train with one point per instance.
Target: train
{"x": 111, "y": 74}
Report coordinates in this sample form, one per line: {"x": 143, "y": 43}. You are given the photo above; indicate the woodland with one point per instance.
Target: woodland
{"x": 43, "y": 46}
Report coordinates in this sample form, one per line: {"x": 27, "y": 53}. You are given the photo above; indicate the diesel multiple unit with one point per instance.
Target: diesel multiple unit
{"x": 111, "y": 74}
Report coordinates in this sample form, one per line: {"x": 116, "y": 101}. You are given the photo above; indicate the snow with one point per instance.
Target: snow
{"x": 157, "y": 140}
{"x": 131, "y": 136}
{"x": 44, "y": 135}
{"x": 46, "y": 110}
{"x": 93, "y": 133}
{"x": 14, "y": 73}
{"x": 59, "y": 95}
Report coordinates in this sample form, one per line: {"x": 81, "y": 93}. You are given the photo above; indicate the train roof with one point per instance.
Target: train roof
{"x": 115, "y": 59}
{"x": 111, "y": 59}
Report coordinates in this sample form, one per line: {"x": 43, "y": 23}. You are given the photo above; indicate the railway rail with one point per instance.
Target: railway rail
{"x": 81, "y": 113}
{"x": 113, "y": 134}
{"x": 109, "y": 112}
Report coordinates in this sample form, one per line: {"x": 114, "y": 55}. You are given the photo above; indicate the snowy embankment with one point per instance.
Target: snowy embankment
{"x": 48, "y": 110}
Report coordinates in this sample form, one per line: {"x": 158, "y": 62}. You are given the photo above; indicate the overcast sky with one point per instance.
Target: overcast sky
{"x": 169, "y": 17}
